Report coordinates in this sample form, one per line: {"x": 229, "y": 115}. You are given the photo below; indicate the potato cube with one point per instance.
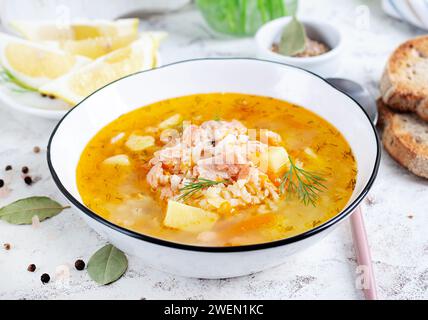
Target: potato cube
{"x": 118, "y": 160}
{"x": 278, "y": 159}
{"x": 310, "y": 152}
{"x": 171, "y": 122}
{"x": 187, "y": 218}
{"x": 139, "y": 143}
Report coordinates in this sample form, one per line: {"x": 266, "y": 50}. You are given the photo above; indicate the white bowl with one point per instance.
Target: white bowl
{"x": 239, "y": 75}
{"x": 327, "y": 64}
{"x": 414, "y": 12}
{"x": 32, "y": 103}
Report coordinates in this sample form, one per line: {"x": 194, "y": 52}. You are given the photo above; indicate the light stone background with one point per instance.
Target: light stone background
{"x": 396, "y": 218}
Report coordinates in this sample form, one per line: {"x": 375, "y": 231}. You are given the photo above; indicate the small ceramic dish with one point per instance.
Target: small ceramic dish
{"x": 237, "y": 75}
{"x": 327, "y": 64}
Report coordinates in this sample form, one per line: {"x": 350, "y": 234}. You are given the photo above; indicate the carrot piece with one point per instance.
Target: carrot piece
{"x": 251, "y": 224}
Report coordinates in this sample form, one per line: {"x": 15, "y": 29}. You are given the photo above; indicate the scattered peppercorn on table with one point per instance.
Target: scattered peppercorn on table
{"x": 48, "y": 259}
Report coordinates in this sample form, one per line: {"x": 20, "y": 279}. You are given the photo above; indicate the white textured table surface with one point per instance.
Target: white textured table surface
{"x": 397, "y": 218}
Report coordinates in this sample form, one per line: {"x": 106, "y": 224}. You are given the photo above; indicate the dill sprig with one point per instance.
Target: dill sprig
{"x": 192, "y": 188}
{"x": 305, "y": 184}
{"x": 17, "y": 86}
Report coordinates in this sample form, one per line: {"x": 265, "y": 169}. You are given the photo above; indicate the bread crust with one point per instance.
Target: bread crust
{"x": 401, "y": 86}
{"x": 400, "y": 143}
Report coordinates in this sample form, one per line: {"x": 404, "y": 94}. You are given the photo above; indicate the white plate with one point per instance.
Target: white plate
{"x": 414, "y": 12}
{"x": 326, "y": 65}
{"x": 94, "y": 9}
{"x": 34, "y": 104}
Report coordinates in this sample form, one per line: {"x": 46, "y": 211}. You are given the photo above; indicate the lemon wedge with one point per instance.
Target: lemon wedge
{"x": 76, "y": 30}
{"x": 94, "y": 48}
{"x": 35, "y": 65}
{"x": 92, "y": 39}
{"x": 75, "y": 86}
{"x": 97, "y": 47}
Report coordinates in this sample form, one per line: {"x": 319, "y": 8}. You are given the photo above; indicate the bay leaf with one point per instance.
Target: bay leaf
{"x": 22, "y": 211}
{"x": 107, "y": 265}
{"x": 293, "y": 38}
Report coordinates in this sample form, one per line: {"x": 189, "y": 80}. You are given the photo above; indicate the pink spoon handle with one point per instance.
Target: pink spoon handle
{"x": 362, "y": 249}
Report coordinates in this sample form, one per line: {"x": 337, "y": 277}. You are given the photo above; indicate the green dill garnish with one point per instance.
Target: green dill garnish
{"x": 192, "y": 188}
{"x": 304, "y": 184}
{"x": 17, "y": 86}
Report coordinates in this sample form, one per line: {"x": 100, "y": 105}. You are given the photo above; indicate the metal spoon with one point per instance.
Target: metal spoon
{"x": 359, "y": 234}
{"x": 359, "y": 93}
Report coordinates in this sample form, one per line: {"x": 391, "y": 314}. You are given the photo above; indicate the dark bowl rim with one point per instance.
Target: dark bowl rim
{"x": 340, "y": 216}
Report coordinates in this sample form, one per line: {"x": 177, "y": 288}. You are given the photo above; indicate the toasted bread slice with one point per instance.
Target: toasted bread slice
{"x": 404, "y": 84}
{"x": 405, "y": 137}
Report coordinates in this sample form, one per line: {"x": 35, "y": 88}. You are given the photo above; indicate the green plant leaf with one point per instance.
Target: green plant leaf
{"x": 293, "y": 38}
{"x": 305, "y": 184}
{"x": 107, "y": 265}
{"x": 22, "y": 211}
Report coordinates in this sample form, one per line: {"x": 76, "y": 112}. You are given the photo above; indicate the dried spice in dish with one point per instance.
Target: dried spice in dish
{"x": 295, "y": 42}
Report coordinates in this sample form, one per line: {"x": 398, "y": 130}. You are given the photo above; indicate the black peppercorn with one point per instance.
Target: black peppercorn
{"x": 6, "y": 246}
{"x": 28, "y": 180}
{"x": 31, "y": 267}
{"x": 45, "y": 278}
{"x": 1, "y": 183}
{"x": 8, "y": 168}
{"x": 36, "y": 149}
{"x": 79, "y": 264}
{"x": 25, "y": 170}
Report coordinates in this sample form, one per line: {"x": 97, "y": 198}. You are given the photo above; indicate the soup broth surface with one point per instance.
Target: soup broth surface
{"x": 121, "y": 193}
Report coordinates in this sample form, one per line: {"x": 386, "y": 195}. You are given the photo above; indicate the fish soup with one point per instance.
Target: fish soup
{"x": 218, "y": 170}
